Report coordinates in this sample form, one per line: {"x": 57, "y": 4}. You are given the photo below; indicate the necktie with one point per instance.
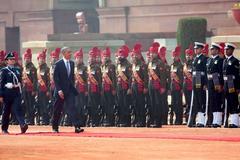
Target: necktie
{"x": 68, "y": 68}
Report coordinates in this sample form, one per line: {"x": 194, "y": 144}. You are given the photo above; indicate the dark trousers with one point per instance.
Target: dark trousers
{"x": 214, "y": 98}
{"x": 232, "y": 102}
{"x": 108, "y": 107}
{"x": 199, "y": 104}
{"x": 93, "y": 107}
{"x": 188, "y": 96}
{"x": 43, "y": 107}
{"x": 165, "y": 108}
{"x": 14, "y": 106}
{"x": 199, "y": 100}
{"x": 81, "y": 103}
{"x": 139, "y": 104}
{"x": 124, "y": 102}
{"x": 69, "y": 101}
{"x": 177, "y": 106}
{"x": 29, "y": 106}
{"x": 156, "y": 107}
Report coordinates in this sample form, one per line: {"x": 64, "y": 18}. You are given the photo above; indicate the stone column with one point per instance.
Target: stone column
{"x": 2, "y": 35}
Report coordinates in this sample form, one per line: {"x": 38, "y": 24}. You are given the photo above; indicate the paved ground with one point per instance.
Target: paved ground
{"x": 169, "y": 142}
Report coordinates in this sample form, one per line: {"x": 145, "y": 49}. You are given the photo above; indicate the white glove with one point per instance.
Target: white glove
{"x": 9, "y": 85}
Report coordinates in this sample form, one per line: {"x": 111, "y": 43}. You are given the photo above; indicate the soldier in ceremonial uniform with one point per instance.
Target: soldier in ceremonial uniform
{"x": 108, "y": 87}
{"x": 199, "y": 87}
{"x": 165, "y": 82}
{"x": 29, "y": 86}
{"x": 94, "y": 87}
{"x": 215, "y": 85}
{"x": 176, "y": 85}
{"x": 10, "y": 94}
{"x": 231, "y": 85}
{"x": 187, "y": 81}
{"x": 155, "y": 87}
{"x": 139, "y": 86}
{"x": 18, "y": 61}
{"x": 98, "y": 57}
{"x": 81, "y": 85}
{"x": 43, "y": 76}
{"x": 54, "y": 57}
{"x": 124, "y": 79}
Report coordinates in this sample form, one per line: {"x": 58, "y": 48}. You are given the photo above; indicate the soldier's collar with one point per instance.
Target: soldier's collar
{"x": 10, "y": 66}
{"x": 229, "y": 57}
{"x": 214, "y": 56}
{"x": 198, "y": 55}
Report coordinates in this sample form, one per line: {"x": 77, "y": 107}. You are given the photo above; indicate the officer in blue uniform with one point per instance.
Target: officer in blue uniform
{"x": 10, "y": 94}
{"x": 199, "y": 87}
{"x": 215, "y": 85}
{"x": 231, "y": 85}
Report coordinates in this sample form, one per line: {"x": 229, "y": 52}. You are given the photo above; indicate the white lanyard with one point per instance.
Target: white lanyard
{"x": 15, "y": 78}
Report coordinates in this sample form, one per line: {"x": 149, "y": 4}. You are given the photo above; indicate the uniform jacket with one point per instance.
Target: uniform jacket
{"x": 43, "y": 75}
{"x": 214, "y": 66}
{"x": 110, "y": 70}
{"x": 7, "y": 77}
{"x": 126, "y": 68}
{"x": 199, "y": 65}
{"x": 187, "y": 73}
{"x": 231, "y": 67}
{"x": 31, "y": 72}
{"x": 94, "y": 78}
{"x": 81, "y": 78}
{"x": 142, "y": 76}
{"x": 176, "y": 75}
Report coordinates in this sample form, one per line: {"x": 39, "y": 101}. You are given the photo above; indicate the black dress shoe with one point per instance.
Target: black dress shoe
{"x": 232, "y": 126}
{"x": 5, "y": 132}
{"x": 24, "y": 128}
{"x": 55, "y": 131}
{"x": 191, "y": 125}
{"x": 216, "y": 126}
{"x": 199, "y": 125}
{"x": 78, "y": 130}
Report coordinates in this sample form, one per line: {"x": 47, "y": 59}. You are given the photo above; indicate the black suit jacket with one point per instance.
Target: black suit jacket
{"x": 62, "y": 80}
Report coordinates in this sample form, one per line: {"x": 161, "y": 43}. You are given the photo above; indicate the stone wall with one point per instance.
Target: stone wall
{"x": 38, "y": 18}
{"x": 2, "y": 35}
{"x": 162, "y": 15}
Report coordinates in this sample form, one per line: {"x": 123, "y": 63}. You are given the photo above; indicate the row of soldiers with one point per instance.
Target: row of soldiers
{"x": 135, "y": 92}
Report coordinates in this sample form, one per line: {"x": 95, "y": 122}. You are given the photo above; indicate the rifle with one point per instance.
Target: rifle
{"x": 206, "y": 110}
{"x": 190, "y": 111}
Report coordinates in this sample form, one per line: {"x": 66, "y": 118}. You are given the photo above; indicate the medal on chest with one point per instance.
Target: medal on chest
{"x": 154, "y": 66}
{"x": 173, "y": 68}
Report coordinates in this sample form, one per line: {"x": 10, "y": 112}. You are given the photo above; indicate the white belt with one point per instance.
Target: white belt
{"x": 209, "y": 76}
{"x": 11, "y": 85}
{"x": 225, "y": 78}
{"x": 195, "y": 72}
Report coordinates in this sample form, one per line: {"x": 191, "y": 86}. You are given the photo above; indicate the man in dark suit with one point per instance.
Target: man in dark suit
{"x": 65, "y": 91}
